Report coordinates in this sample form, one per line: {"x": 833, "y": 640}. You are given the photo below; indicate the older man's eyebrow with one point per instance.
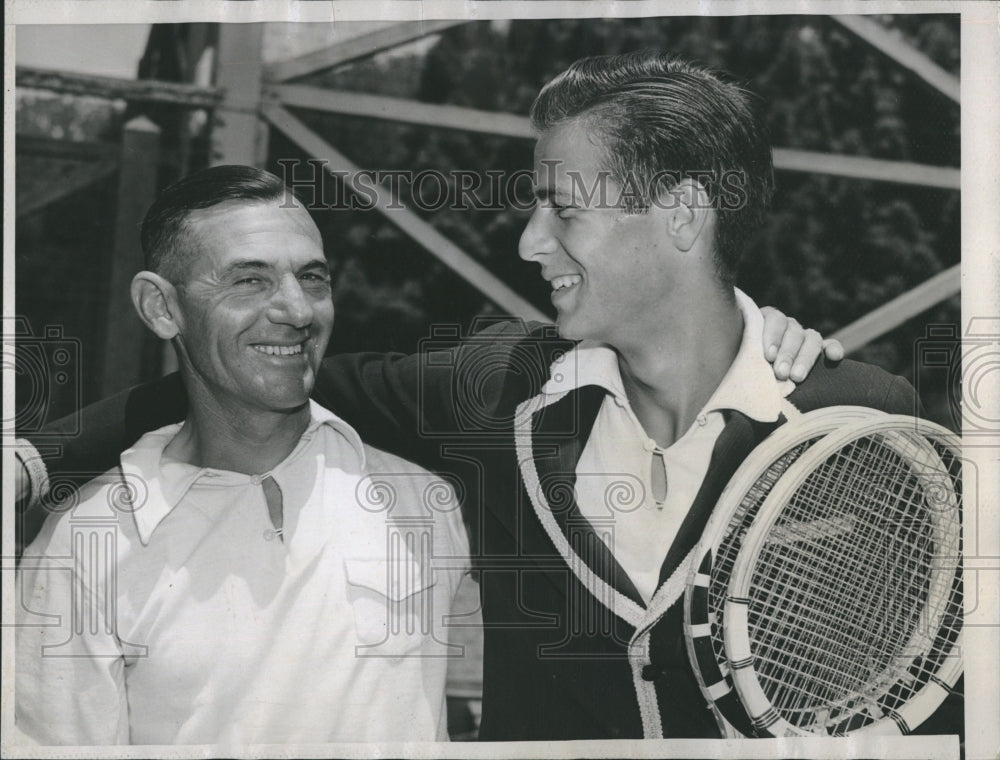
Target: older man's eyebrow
{"x": 316, "y": 265}
{"x": 257, "y": 264}
{"x": 253, "y": 265}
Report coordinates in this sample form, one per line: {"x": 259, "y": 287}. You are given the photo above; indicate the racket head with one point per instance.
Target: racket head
{"x": 720, "y": 542}
{"x": 843, "y": 613}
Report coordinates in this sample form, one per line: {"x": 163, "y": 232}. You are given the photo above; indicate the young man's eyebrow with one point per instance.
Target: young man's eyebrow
{"x": 552, "y": 195}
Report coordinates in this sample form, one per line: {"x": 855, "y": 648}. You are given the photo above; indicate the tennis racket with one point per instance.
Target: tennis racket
{"x": 825, "y": 597}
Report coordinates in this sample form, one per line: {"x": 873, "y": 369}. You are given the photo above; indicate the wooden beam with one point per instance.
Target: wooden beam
{"x": 239, "y": 136}
{"x": 110, "y": 88}
{"x": 137, "y": 182}
{"x": 860, "y": 167}
{"x": 514, "y": 125}
{"x": 422, "y": 232}
{"x": 896, "y": 48}
{"x": 891, "y": 315}
{"x": 354, "y": 48}
{"x": 402, "y": 109}
{"x": 79, "y": 177}
{"x": 80, "y": 150}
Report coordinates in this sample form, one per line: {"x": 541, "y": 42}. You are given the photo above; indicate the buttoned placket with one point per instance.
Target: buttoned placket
{"x": 271, "y": 492}
{"x": 659, "y": 477}
{"x": 272, "y": 497}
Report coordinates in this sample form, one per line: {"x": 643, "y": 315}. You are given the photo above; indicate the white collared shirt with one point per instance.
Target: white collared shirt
{"x": 614, "y": 488}
{"x": 180, "y": 616}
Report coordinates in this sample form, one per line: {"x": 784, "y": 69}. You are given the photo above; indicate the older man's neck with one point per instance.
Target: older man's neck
{"x": 251, "y": 443}
{"x": 670, "y": 376}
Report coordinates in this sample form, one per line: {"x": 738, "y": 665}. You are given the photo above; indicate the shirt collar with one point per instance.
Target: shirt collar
{"x": 749, "y": 386}
{"x": 158, "y": 483}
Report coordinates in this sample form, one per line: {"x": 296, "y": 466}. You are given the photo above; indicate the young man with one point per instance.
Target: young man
{"x": 592, "y": 461}
{"x": 587, "y": 486}
{"x": 256, "y": 574}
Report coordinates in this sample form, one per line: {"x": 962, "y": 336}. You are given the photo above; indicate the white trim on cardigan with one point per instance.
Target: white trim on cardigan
{"x": 621, "y": 605}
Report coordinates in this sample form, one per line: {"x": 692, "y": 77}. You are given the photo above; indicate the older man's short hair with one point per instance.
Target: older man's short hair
{"x": 164, "y": 240}
{"x": 661, "y": 120}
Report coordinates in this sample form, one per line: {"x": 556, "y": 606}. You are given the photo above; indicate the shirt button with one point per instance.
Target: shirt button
{"x": 255, "y": 480}
{"x": 649, "y": 445}
{"x": 269, "y": 535}
{"x": 702, "y": 420}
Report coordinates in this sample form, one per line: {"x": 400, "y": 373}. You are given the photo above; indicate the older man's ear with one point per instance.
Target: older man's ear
{"x": 155, "y": 300}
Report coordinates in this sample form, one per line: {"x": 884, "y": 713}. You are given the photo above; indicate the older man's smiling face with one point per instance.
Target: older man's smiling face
{"x": 256, "y": 304}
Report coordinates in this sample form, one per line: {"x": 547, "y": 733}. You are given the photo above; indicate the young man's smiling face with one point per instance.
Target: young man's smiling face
{"x": 256, "y": 309}
{"x": 609, "y": 270}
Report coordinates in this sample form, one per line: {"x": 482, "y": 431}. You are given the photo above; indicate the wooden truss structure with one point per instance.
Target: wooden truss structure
{"x": 249, "y": 97}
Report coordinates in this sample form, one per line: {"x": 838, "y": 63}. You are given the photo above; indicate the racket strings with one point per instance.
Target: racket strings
{"x": 845, "y": 578}
{"x": 951, "y": 623}
{"x": 729, "y": 548}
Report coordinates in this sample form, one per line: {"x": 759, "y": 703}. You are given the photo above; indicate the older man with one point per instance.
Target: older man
{"x": 256, "y": 574}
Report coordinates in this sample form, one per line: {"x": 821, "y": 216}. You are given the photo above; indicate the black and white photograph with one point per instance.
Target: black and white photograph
{"x": 501, "y": 379}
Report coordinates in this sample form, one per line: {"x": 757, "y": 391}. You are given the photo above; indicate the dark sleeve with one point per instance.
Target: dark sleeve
{"x": 451, "y": 388}
{"x": 396, "y": 402}
{"x": 854, "y": 383}
{"x": 89, "y": 442}
{"x": 902, "y": 398}
{"x": 379, "y": 394}
{"x": 390, "y": 399}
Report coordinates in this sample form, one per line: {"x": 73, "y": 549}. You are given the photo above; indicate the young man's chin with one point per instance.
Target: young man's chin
{"x": 572, "y": 329}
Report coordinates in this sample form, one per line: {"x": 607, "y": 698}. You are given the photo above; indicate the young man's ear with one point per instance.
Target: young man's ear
{"x": 689, "y": 212}
{"x": 155, "y": 300}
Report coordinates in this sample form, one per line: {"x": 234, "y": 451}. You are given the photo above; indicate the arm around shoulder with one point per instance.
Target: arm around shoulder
{"x": 88, "y": 442}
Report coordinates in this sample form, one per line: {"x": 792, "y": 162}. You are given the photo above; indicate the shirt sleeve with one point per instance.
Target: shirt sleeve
{"x": 69, "y": 666}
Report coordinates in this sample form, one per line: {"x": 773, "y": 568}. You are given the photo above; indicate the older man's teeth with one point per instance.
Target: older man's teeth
{"x": 565, "y": 281}
{"x": 280, "y": 350}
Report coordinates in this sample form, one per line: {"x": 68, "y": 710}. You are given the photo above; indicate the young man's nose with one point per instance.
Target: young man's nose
{"x": 537, "y": 239}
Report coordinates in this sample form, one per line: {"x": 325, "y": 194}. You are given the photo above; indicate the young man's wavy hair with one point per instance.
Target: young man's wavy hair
{"x": 660, "y": 120}
{"x": 165, "y": 240}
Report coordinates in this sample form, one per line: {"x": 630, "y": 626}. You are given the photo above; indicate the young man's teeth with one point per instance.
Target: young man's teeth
{"x": 280, "y": 350}
{"x": 558, "y": 283}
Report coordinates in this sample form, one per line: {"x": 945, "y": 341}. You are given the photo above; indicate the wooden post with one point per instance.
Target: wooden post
{"x": 239, "y": 135}
{"x": 125, "y": 334}
{"x": 891, "y": 315}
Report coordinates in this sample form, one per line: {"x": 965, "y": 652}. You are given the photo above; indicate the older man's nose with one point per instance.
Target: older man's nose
{"x": 290, "y": 304}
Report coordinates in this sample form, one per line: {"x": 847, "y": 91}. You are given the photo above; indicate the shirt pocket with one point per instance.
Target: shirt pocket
{"x": 393, "y": 603}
